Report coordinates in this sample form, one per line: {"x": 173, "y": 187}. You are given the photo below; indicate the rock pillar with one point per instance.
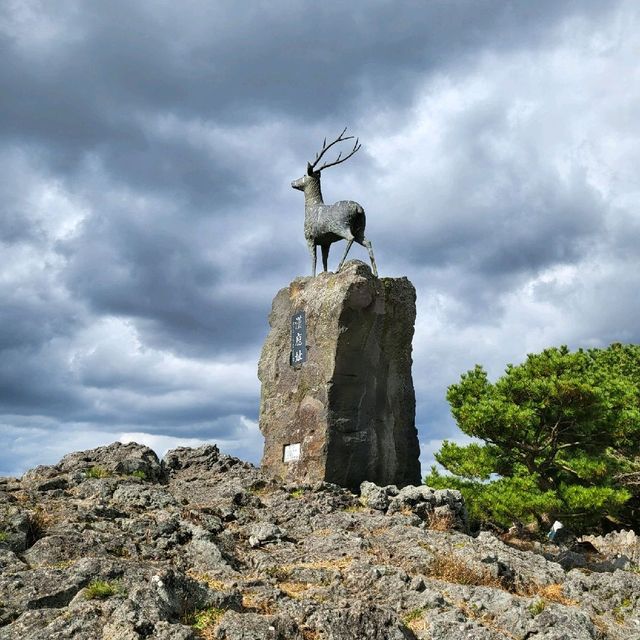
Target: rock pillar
{"x": 347, "y": 413}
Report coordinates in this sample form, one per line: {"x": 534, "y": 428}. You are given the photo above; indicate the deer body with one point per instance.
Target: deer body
{"x": 325, "y": 224}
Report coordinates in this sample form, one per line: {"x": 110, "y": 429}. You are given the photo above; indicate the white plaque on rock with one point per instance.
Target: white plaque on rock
{"x": 291, "y": 452}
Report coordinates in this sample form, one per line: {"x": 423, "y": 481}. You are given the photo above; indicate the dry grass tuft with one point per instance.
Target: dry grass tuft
{"x": 23, "y": 497}
{"x": 415, "y": 620}
{"x": 337, "y": 563}
{"x": 441, "y": 521}
{"x": 355, "y": 508}
{"x": 192, "y": 514}
{"x": 39, "y": 522}
{"x": 213, "y": 583}
{"x": 294, "y": 589}
{"x": 548, "y": 593}
{"x": 257, "y": 603}
{"x": 555, "y": 593}
{"x": 485, "y": 618}
{"x": 452, "y": 568}
{"x": 601, "y": 625}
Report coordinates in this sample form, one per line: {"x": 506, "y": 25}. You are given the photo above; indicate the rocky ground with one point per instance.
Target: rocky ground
{"x": 114, "y": 544}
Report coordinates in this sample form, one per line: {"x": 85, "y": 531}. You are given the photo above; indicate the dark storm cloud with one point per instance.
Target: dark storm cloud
{"x": 33, "y": 368}
{"x": 34, "y": 385}
{"x": 153, "y": 266}
{"x": 109, "y": 65}
{"x": 28, "y": 324}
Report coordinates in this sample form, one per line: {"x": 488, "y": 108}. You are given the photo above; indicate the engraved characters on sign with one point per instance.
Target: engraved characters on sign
{"x": 298, "y": 338}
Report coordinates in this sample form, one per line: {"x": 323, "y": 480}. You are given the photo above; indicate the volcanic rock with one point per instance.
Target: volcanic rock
{"x": 207, "y": 546}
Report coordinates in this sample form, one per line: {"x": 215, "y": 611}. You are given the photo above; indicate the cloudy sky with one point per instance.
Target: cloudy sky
{"x": 147, "y": 219}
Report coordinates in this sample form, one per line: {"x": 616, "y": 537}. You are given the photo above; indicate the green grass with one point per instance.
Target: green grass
{"x": 621, "y": 610}
{"x": 355, "y": 508}
{"x": 415, "y": 620}
{"x": 537, "y": 607}
{"x": 413, "y": 615}
{"x": 206, "y": 618}
{"x": 4, "y": 536}
{"x": 297, "y": 493}
{"x": 101, "y": 590}
{"x": 203, "y": 621}
{"x": 97, "y": 472}
{"x": 139, "y": 473}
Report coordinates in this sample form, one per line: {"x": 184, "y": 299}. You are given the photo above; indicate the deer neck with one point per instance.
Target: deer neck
{"x": 312, "y": 192}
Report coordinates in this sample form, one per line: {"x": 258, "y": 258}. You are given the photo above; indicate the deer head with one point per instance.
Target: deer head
{"x": 311, "y": 180}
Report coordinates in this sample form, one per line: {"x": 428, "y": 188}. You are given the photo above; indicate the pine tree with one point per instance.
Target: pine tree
{"x": 558, "y": 438}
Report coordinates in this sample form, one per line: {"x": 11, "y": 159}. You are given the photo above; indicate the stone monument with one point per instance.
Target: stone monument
{"x": 337, "y": 401}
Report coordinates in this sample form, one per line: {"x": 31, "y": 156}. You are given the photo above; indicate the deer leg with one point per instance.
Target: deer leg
{"x": 312, "y": 249}
{"x": 325, "y": 255}
{"x": 344, "y": 257}
{"x": 367, "y": 244}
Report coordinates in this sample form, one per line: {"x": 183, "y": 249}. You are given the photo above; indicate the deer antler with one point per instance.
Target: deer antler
{"x": 326, "y": 147}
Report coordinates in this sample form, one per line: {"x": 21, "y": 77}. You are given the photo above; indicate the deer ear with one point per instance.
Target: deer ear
{"x": 309, "y": 169}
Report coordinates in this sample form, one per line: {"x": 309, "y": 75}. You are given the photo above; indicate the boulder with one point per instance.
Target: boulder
{"x": 375, "y": 497}
{"x": 116, "y": 459}
{"x": 617, "y": 544}
{"x": 439, "y": 508}
{"x": 263, "y": 533}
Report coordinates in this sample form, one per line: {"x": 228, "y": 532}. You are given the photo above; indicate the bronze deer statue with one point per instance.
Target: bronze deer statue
{"x": 328, "y": 223}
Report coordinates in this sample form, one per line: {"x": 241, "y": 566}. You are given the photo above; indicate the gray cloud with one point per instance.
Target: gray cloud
{"x": 147, "y": 219}
{"x": 82, "y": 81}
